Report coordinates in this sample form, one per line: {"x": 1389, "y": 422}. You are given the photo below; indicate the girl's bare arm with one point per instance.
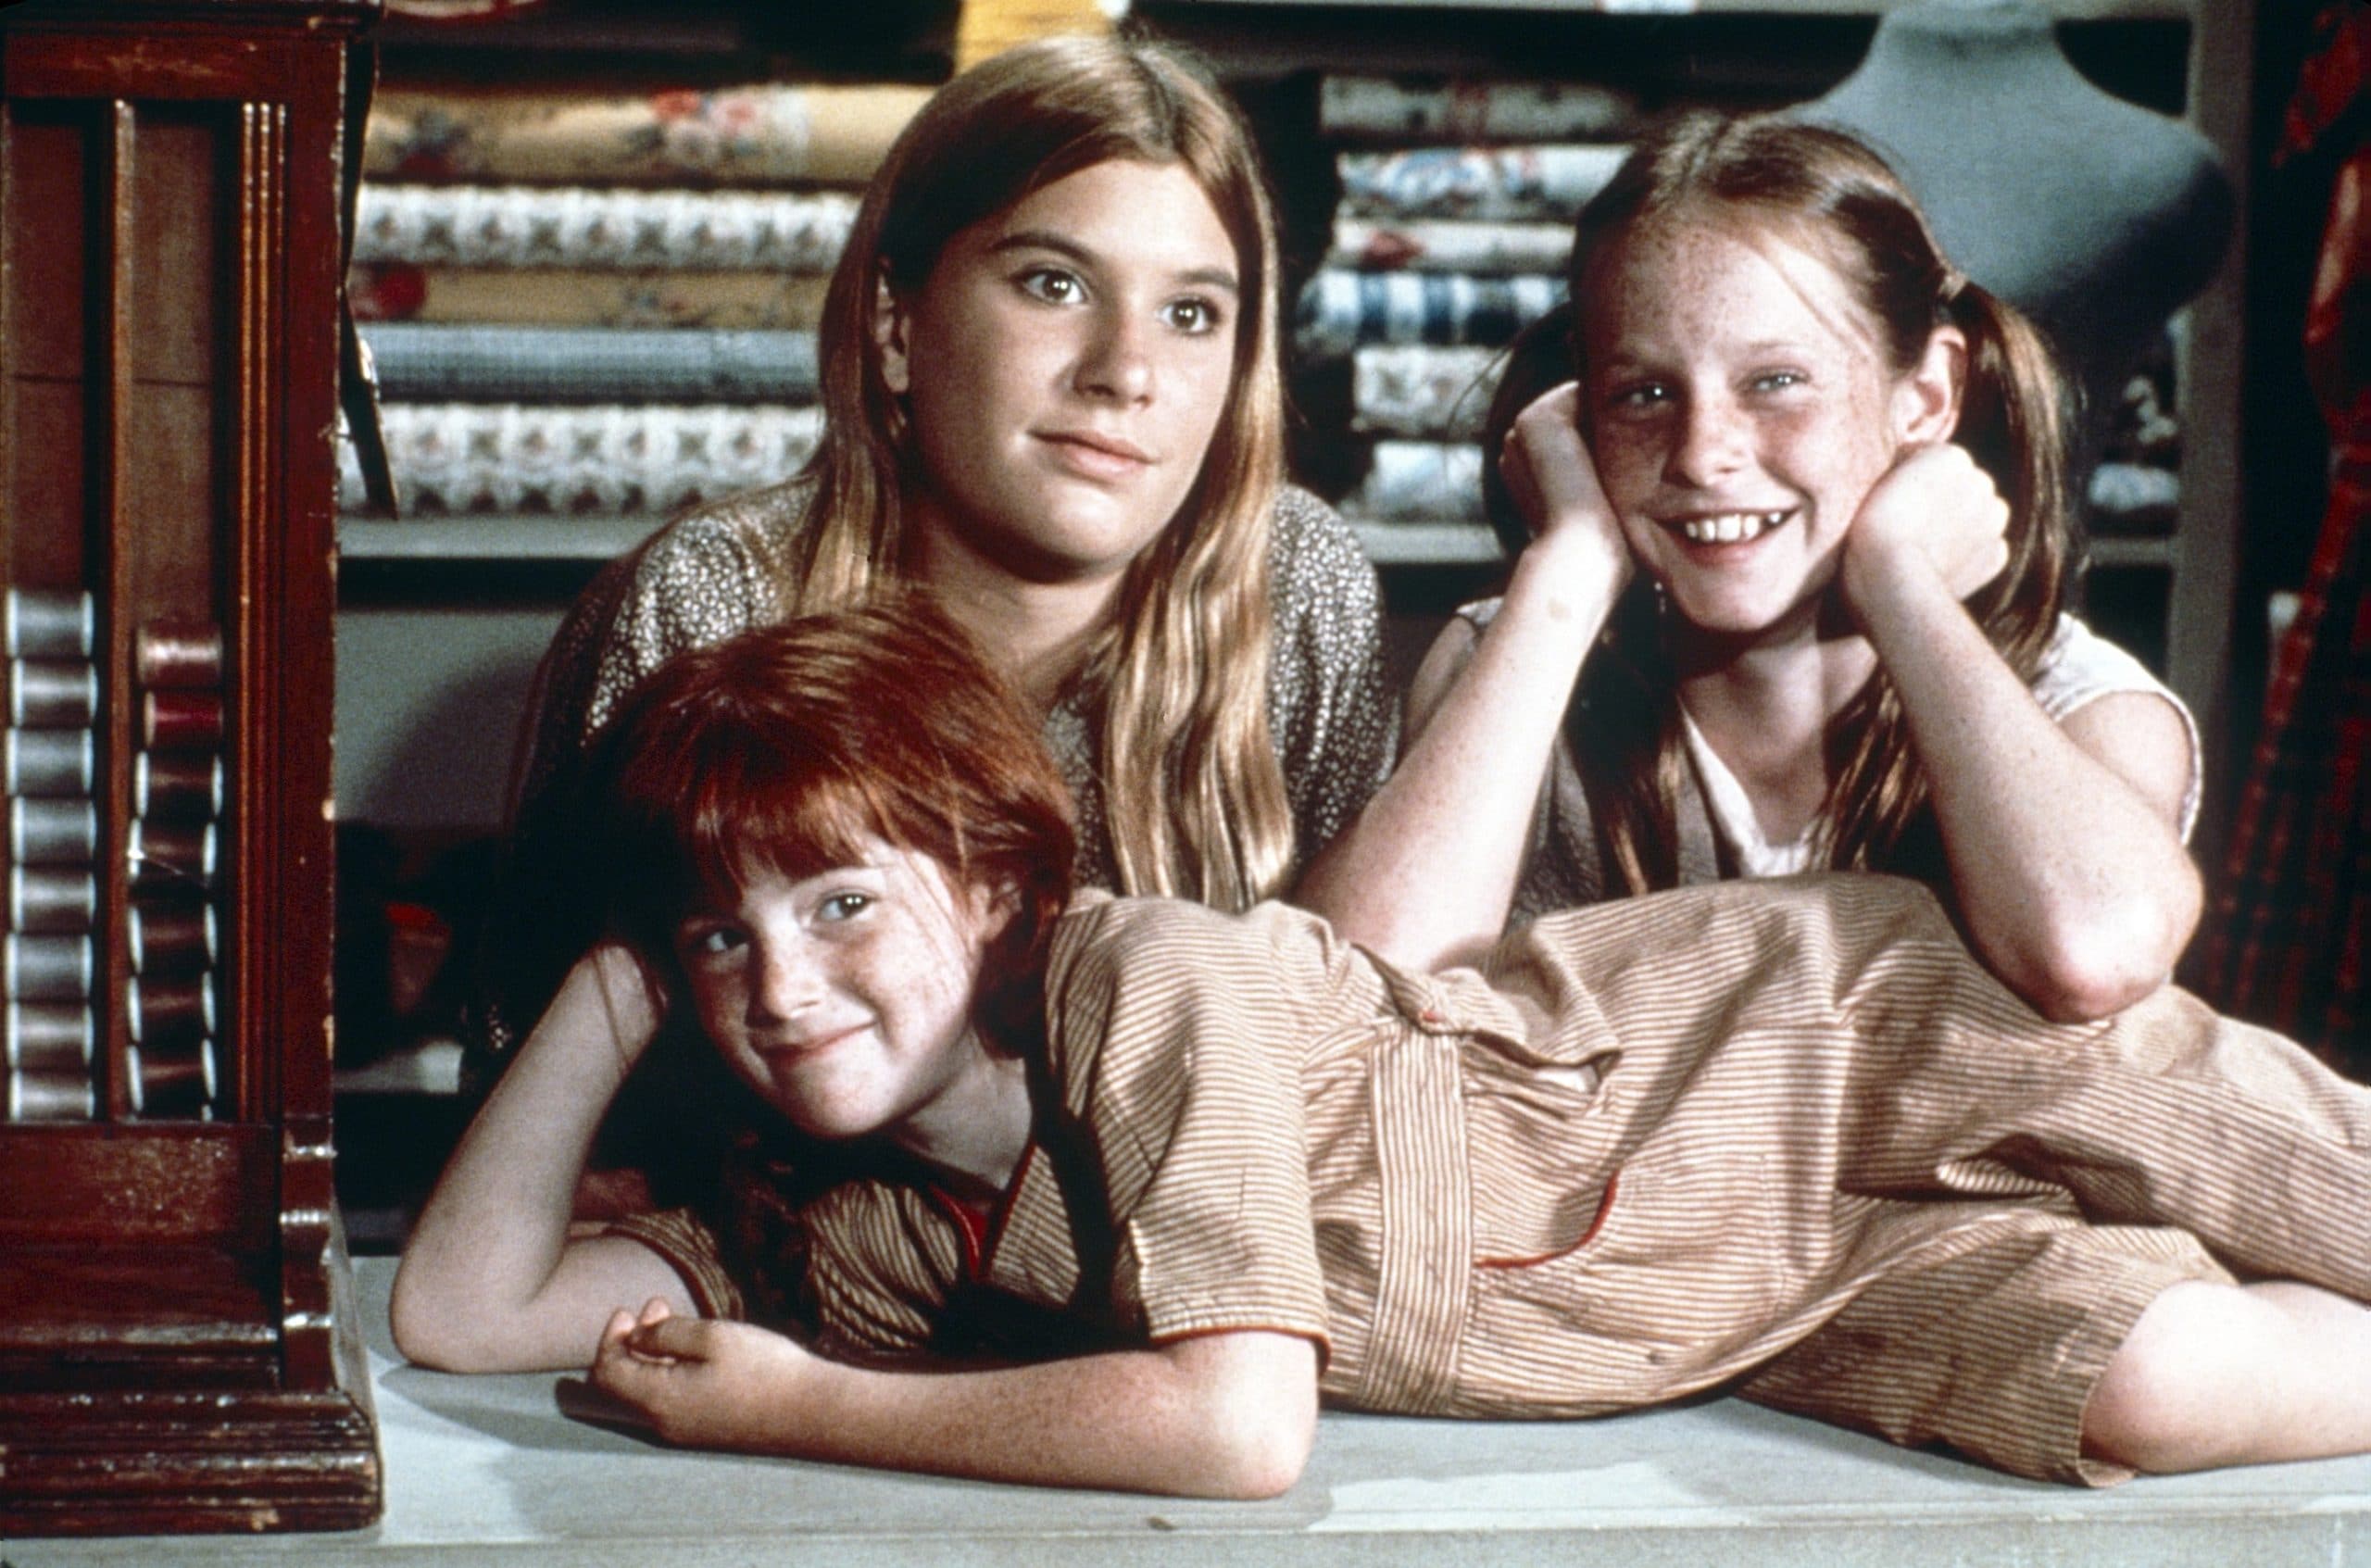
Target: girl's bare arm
{"x": 1425, "y": 874}
{"x": 2063, "y": 839}
{"x": 1228, "y": 1414}
{"x": 491, "y": 1280}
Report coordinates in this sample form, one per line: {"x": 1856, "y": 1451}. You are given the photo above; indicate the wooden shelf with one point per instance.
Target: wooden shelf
{"x": 492, "y": 538}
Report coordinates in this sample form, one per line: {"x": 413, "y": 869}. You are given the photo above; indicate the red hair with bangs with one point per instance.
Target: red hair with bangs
{"x": 785, "y": 748}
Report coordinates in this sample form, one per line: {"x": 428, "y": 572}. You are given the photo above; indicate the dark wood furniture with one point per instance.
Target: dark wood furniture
{"x": 177, "y": 1344}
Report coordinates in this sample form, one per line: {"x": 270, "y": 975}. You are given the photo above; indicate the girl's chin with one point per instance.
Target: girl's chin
{"x": 1732, "y": 620}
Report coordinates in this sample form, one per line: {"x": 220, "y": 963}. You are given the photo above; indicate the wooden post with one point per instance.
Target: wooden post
{"x": 990, "y": 27}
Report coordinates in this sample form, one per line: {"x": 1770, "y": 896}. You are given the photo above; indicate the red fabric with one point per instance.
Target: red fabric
{"x": 2287, "y": 946}
{"x": 2286, "y": 938}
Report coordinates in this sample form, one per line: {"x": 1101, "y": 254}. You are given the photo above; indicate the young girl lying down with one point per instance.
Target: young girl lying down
{"x": 1114, "y": 1192}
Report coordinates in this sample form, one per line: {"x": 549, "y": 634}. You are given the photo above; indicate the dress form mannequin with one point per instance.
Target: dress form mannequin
{"x": 2092, "y": 215}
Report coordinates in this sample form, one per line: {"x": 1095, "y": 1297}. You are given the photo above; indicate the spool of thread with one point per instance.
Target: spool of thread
{"x": 48, "y": 761}
{"x": 170, "y": 939}
{"x": 177, "y": 655}
{"x": 177, "y": 787}
{"x": 53, "y": 900}
{"x": 45, "y": 969}
{"x": 53, "y": 833}
{"x": 41, "y": 1097}
{"x": 168, "y": 854}
{"x": 161, "y": 1013}
{"x": 181, "y": 720}
{"x": 175, "y": 1084}
{"x": 52, "y": 693}
{"x": 52, "y": 1036}
{"x": 50, "y": 623}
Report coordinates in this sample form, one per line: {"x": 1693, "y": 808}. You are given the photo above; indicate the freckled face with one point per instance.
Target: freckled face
{"x": 1065, "y": 366}
{"x": 1739, "y": 408}
{"x": 843, "y": 1000}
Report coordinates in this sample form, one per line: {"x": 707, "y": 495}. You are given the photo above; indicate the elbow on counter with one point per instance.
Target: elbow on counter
{"x": 2080, "y": 969}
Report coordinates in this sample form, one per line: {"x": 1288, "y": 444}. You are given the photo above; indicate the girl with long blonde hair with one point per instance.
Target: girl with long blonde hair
{"x": 1051, "y": 399}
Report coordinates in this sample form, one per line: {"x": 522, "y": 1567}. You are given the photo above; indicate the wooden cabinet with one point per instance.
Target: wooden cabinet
{"x": 176, "y": 1348}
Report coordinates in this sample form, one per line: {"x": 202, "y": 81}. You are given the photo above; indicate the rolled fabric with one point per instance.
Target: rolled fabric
{"x": 761, "y": 134}
{"x": 600, "y": 460}
{"x": 1416, "y": 389}
{"x": 523, "y": 226}
{"x": 452, "y": 362}
{"x": 578, "y": 297}
{"x": 1380, "y": 244}
{"x": 1339, "y": 310}
{"x": 1441, "y": 110}
{"x": 1496, "y": 184}
{"x": 1420, "y": 481}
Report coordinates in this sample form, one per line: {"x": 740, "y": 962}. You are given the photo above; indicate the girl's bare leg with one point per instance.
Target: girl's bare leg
{"x": 2220, "y": 1375}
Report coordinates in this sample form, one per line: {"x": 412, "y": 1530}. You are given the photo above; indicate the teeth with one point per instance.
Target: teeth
{"x": 1729, "y": 527}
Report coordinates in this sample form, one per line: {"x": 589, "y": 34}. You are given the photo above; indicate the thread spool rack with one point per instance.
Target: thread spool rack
{"x": 177, "y": 1344}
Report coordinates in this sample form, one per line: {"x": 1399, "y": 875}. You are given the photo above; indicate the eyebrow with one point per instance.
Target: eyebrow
{"x": 1634, "y": 364}
{"x": 1047, "y": 239}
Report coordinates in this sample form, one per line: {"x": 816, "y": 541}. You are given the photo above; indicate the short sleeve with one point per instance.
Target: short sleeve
{"x": 685, "y": 1241}
{"x": 697, "y": 585}
{"x": 2079, "y": 667}
{"x": 1335, "y": 719}
{"x": 1180, "y": 1034}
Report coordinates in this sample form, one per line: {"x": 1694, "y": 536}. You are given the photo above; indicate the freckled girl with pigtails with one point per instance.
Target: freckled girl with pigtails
{"x": 1789, "y": 595}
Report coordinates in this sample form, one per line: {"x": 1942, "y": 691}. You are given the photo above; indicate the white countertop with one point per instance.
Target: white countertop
{"x": 491, "y": 1471}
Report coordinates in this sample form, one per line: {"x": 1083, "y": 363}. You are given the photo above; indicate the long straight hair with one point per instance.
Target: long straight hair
{"x": 1195, "y": 798}
{"x": 1829, "y": 193}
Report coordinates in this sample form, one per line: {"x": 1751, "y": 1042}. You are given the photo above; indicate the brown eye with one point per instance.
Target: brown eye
{"x": 1052, "y": 285}
{"x": 1195, "y": 317}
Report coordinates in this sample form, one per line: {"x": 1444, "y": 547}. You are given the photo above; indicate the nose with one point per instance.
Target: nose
{"x": 785, "y": 980}
{"x": 1116, "y": 361}
{"x": 1709, "y": 442}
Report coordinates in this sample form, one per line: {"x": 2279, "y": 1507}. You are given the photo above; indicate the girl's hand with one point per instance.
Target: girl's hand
{"x": 697, "y": 1382}
{"x": 1553, "y": 480}
{"x": 1934, "y": 511}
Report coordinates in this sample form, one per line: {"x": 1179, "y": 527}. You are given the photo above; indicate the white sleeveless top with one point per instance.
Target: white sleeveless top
{"x": 1717, "y": 824}
{"x": 2078, "y": 667}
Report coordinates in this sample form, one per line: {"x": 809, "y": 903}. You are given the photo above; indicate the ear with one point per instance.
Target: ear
{"x": 889, "y": 336}
{"x": 1927, "y": 400}
{"x": 993, "y": 907}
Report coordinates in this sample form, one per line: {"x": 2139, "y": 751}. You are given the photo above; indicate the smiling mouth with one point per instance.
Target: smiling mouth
{"x": 1726, "y": 528}
{"x": 812, "y": 1046}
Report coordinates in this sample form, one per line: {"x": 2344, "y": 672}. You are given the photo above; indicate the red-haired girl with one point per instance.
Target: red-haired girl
{"x": 1110, "y": 1192}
